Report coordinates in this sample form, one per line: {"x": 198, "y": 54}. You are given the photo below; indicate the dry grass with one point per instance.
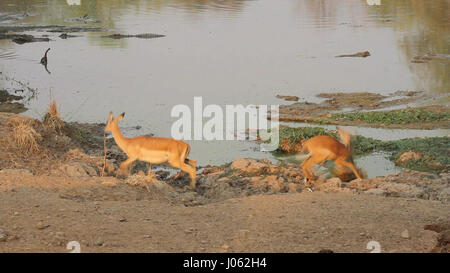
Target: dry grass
{"x": 24, "y": 136}
{"x": 52, "y": 118}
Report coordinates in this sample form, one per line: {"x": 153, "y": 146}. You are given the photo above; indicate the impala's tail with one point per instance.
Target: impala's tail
{"x": 345, "y": 138}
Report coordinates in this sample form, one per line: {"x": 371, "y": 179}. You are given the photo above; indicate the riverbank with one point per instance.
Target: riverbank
{"x": 247, "y": 202}
{"x": 370, "y": 110}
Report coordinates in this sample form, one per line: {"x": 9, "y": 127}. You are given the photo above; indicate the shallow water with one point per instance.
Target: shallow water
{"x": 228, "y": 52}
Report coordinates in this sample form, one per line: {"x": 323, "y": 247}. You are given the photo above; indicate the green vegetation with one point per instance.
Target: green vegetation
{"x": 294, "y": 135}
{"x": 405, "y": 116}
{"x": 434, "y": 151}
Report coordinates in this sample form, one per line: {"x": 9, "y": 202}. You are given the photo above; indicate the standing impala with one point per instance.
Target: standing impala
{"x": 155, "y": 150}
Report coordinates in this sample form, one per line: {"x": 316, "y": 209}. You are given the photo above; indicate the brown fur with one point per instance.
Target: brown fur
{"x": 327, "y": 148}
{"x": 154, "y": 150}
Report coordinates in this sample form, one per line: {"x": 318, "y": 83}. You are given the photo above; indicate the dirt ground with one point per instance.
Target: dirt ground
{"x": 57, "y": 195}
{"x": 42, "y": 214}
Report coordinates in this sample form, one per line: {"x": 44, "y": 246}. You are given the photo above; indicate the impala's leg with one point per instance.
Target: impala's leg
{"x": 124, "y": 165}
{"x": 305, "y": 169}
{"x": 314, "y": 159}
{"x": 179, "y": 163}
{"x": 149, "y": 171}
{"x": 341, "y": 161}
{"x": 192, "y": 162}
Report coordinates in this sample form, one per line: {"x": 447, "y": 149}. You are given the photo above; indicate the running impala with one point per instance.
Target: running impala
{"x": 154, "y": 150}
{"x": 327, "y": 148}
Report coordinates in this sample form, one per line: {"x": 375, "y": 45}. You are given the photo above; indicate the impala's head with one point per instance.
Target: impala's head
{"x": 113, "y": 121}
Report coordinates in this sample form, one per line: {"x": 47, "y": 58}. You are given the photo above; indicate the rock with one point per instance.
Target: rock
{"x": 275, "y": 183}
{"x": 331, "y": 185}
{"x": 375, "y": 191}
{"x": 288, "y": 98}
{"x": 99, "y": 241}
{"x": 24, "y": 172}
{"x": 363, "y": 184}
{"x": 110, "y": 181}
{"x": 141, "y": 36}
{"x": 271, "y": 182}
{"x": 444, "y": 238}
{"x": 3, "y": 235}
{"x": 326, "y": 251}
{"x": 77, "y": 169}
{"x": 239, "y": 164}
{"x": 293, "y": 187}
{"x": 359, "y": 54}
{"x": 248, "y": 165}
{"x": 443, "y": 243}
{"x": 162, "y": 186}
{"x": 321, "y": 180}
{"x": 401, "y": 190}
{"x": 438, "y": 227}
{"x": 408, "y": 156}
{"x": 405, "y": 234}
{"x": 41, "y": 225}
{"x": 444, "y": 195}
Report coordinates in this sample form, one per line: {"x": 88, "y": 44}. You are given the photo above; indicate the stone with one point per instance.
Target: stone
{"x": 3, "y": 235}
{"x": 375, "y": 191}
{"x": 41, "y": 225}
{"x": 248, "y": 165}
{"x": 331, "y": 185}
{"x": 275, "y": 183}
{"x": 77, "y": 169}
{"x": 288, "y": 98}
{"x": 293, "y": 187}
{"x": 23, "y": 172}
{"x": 110, "y": 181}
{"x": 408, "y": 156}
{"x": 99, "y": 241}
{"x": 402, "y": 190}
{"x": 444, "y": 195}
{"x": 271, "y": 182}
{"x": 438, "y": 227}
{"x": 405, "y": 234}
{"x": 363, "y": 184}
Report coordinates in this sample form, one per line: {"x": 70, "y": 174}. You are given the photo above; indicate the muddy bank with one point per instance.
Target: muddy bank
{"x": 13, "y": 33}
{"x": 351, "y": 109}
{"x": 8, "y": 103}
{"x": 140, "y": 36}
{"x": 50, "y": 28}
{"x": 56, "y": 148}
{"x": 23, "y": 38}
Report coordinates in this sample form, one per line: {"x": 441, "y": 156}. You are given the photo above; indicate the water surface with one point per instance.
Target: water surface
{"x": 228, "y": 52}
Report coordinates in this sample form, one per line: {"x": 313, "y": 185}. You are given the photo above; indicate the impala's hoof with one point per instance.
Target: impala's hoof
{"x": 192, "y": 184}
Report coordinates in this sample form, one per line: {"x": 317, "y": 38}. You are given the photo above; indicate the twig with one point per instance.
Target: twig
{"x": 104, "y": 158}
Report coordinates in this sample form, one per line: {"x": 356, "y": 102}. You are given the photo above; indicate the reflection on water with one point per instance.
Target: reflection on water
{"x": 228, "y": 52}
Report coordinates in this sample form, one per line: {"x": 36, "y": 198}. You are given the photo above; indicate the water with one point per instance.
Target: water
{"x": 228, "y": 52}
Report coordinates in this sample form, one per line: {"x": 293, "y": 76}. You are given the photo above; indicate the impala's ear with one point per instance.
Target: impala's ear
{"x": 121, "y": 116}
{"x": 110, "y": 117}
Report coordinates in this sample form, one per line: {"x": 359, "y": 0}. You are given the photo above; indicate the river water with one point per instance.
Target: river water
{"x": 227, "y": 52}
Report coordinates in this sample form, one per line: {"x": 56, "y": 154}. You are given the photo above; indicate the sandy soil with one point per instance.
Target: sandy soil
{"x": 42, "y": 214}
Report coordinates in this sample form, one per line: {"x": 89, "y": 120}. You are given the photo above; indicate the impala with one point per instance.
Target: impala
{"x": 327, "y": 148}
{"x": 154, "y": 150}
